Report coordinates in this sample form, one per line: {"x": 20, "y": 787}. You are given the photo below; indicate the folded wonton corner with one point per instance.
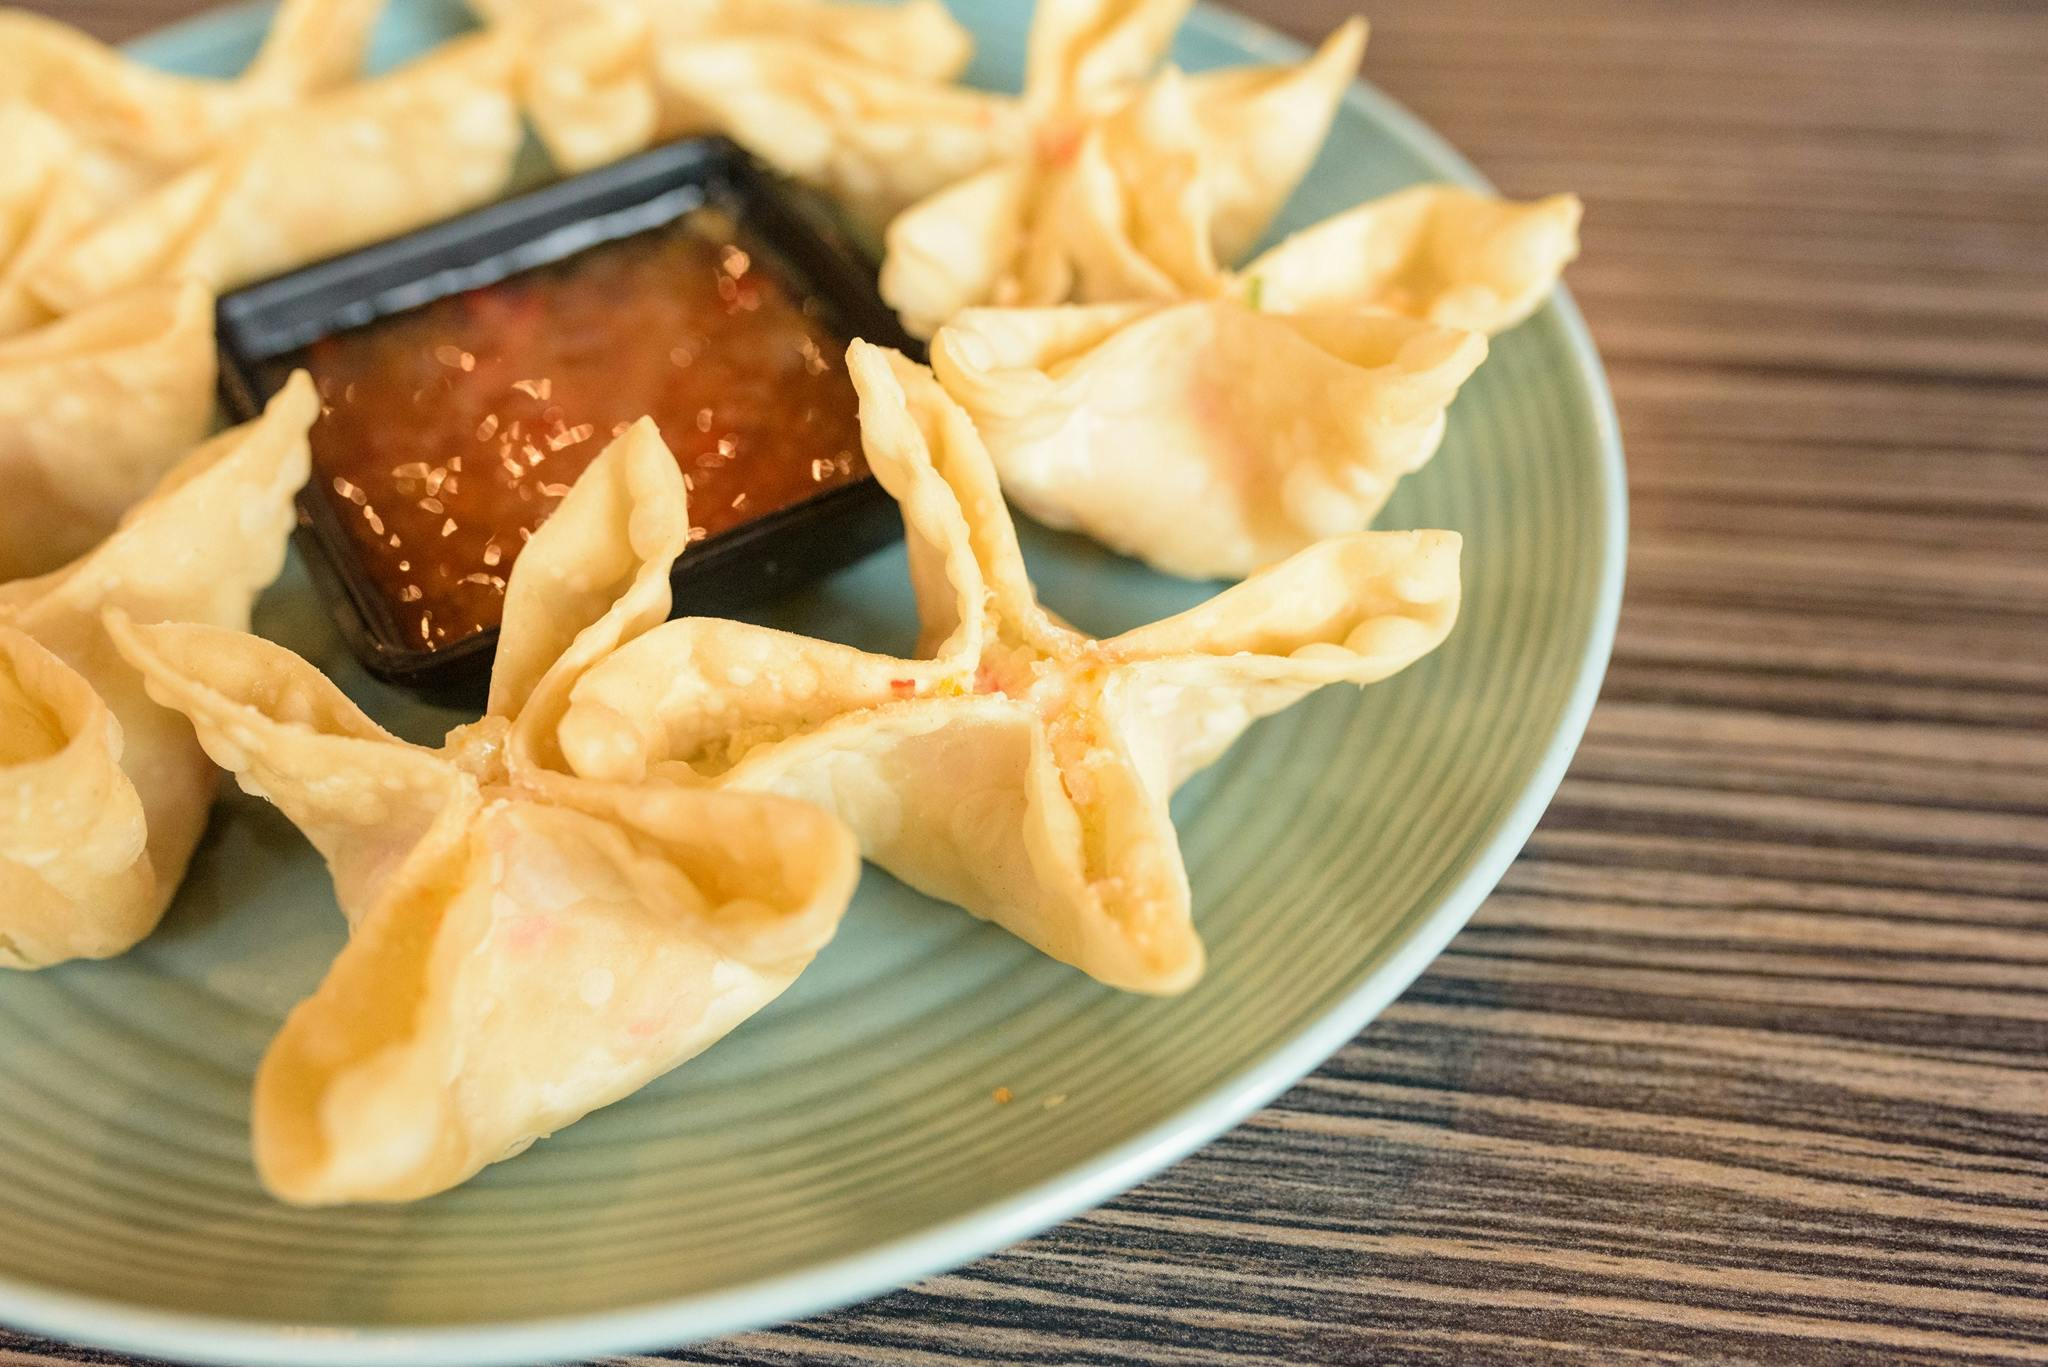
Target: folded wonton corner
{"x": 874, "y": 139}
{"x": 130, "y": 123}
{"x": 89, "y": 131}
{"x": 1127, "y": 192}
{"x": 103, "y": 794}
{"x": 1207, "y": 439}
{"x": 1437, "y": 253}
{"x": 45, "y": 201}
{"x": 1155, "y": 191}
{"x": 855, "y": 98}
{"x": 525, "y": 946}
{"x": 1084, "y": 56}
{"x": 421, "y": 144}
{"x": 1021, "y": 769}
{"x": 94, "y": 409}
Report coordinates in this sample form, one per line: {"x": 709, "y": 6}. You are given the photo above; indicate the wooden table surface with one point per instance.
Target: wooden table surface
{"x": 1747, "y": 1061}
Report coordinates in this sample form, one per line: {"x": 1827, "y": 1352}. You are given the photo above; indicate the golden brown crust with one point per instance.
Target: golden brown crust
{"x": 1023, "y": 769}
{"x": 1205, "y": 438}
{"x": 526, "y": 945}
{"x": 104, "y": 793}
{"x": 1132, "y": 188}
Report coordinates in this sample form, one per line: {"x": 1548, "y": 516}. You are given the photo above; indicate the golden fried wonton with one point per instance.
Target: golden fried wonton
{"x": 1436, "y": 253}
{"x": 132, "y": 123}
{"x": 853, "y": 97}
{"x": 418, "y": 145}
{"x": 525, "y": 946}
{"x": 94, "y": 409}
{"x": 103, "y": 793}
{"x": 1128, "y": 191}
{"x": 1207, "y": 439}
{"x": 1020, "y": 769}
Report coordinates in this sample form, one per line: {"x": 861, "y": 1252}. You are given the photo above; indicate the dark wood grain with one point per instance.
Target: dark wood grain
{"x": 1747, "y": 1061}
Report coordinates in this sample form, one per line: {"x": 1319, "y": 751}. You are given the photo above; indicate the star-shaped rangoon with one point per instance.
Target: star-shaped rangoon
{"x": 103, "y": 794}
{"x": 89, "y": 131}
{"x": 328, "y": 175}
{"x": 855, "y": 98}
{"x": 1131, "y": 186}
{"x": 1022, "y": 769}
{"x": 131, "y": 122}
{"x": 94, "y": 410}
{"x": 525, "y": 946}
{"x": 1261, "y": 433}
{"x": 1151, "y": 189}
{"x": 1272, "y": 419}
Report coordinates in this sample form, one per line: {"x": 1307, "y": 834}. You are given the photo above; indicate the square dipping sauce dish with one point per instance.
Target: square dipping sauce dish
{"x": 470, "y": 371}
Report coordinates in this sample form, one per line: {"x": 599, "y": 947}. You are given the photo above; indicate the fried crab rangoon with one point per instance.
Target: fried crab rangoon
{"x": 1022, "y": 769}
{"x": 89, "y": 131}
{"x": 1126, "y": 191}
{"x": 1152, "y": 189}
{"x": 1269, "y": 420}
{"x": 324, "y": 177}
{"x": 1224, "y": 421}
{"x": 129, "y": 196}
{"x": 128, "y": 123}
{"x": 103, "y": 793}
{"x": 525, "y": 946}
{"x": 855, "y": 98}
{"x": 1205, "y": 438}
{"x": 1434, "y": 253}
{"x": 94, "y": 409}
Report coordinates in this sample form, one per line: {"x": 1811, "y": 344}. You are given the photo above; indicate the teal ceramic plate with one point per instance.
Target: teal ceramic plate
{"x": 846, "y": 1141}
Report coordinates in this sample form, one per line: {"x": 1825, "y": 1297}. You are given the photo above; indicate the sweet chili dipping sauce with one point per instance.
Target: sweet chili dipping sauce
{"x": 450, "y": 432}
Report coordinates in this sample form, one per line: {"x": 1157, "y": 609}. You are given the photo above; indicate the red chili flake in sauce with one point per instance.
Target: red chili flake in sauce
{"x": 903, "y": 688}
{"x": 452, "y": 431}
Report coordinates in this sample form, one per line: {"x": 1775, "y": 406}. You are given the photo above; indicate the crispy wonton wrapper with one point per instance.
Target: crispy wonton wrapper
{"x": 1436, "y": 253}
{"x": 768, "y": 72}
{"x": 103, "y": 794}
{"x": 525, "y": 946}
{"x": 94, "y": 409}
{"x": 44, "y": 203}
{"x": 1128, "y": 192}
{"x": 875, "y": 140}
{"x": 89, "y": 130}
{"x": 1022, "y": 769}
{"x": 421, "y": 144}
{"x": 1207, "y": 439}
{"x": 132, "y": 123}
{"x": 1084, "y": 56}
